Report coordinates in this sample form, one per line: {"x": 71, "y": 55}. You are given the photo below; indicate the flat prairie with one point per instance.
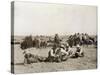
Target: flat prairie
{"x": 89, "y": 61}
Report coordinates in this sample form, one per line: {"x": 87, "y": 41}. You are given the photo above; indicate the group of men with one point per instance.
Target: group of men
{"x": 59, "y": 52}
{"x": 63, "y": 52}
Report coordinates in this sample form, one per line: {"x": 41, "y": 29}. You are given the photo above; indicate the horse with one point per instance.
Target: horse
{"x": 43, "y": 43}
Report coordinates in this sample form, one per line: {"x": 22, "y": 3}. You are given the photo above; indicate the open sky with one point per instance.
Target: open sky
{"x": 48, "y": 19}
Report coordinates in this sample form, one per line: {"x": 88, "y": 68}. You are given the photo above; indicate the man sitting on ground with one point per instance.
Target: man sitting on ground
{"x": 78, "y": 52}
{"x": 61, "y": 52}
{"x": 52, "y": 54}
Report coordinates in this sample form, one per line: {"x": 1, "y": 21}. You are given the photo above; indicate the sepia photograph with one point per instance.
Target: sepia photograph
{"x": 49, "y": 37}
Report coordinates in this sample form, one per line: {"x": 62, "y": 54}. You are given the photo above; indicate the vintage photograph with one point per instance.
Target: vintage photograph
{"x": 49, "y": 37}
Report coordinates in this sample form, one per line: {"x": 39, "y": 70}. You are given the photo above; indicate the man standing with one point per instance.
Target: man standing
{"x": 57, "y": 40}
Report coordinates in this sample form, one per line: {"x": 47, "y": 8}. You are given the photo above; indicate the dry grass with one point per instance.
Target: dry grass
{"x": 89, "y": 61}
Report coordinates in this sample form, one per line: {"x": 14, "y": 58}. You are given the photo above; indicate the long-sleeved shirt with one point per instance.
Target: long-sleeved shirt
{"x": 51, "y": 52}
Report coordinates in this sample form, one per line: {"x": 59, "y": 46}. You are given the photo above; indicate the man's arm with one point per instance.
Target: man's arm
{"x": 51, "y": 52}
{"x": 63, "y": 51}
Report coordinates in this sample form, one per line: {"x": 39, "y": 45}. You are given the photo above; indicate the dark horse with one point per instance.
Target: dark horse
{"x": 82, "y": 39}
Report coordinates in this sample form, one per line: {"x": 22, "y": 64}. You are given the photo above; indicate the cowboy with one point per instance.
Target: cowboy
{"x": 67, "y": 47}
{"x": 79, "y": 51}
{"x": 63, "y": 49}
{"x": 27, "y": 55}
{"x": 52, "y": 54}
{"x": 61, "y": 53}
{"x": 57, "y": 40}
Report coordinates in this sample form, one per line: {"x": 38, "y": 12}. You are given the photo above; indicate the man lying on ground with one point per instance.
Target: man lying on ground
{"x": 31, "y": 58}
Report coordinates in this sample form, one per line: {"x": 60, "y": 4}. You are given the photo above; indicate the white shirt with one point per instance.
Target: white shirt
{"x": 52, "y": 52}
{"x": 63, "y": 51}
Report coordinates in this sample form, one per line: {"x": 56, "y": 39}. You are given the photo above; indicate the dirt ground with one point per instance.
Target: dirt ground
{"x": 89, "y": 61}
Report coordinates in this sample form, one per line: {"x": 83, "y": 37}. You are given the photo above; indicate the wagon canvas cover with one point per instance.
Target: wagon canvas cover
{"x": 49, "y": 37}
